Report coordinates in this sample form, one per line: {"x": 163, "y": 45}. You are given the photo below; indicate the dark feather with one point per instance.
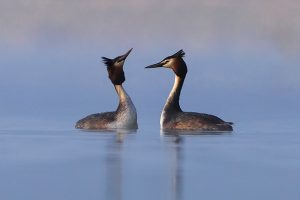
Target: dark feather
{"x": 108, "y": 62}
{"x": 180, "y": 53}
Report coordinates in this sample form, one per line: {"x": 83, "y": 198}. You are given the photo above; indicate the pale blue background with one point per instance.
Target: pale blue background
{"x": 243, "y": 58}
{"x": 244, "y": 66}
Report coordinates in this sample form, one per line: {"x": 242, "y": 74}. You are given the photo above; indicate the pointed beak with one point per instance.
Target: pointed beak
{"x": 123, "y": 57}
{"x": 154, "y": 65}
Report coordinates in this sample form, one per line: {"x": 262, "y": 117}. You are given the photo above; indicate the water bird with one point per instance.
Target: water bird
{"x": 172, "y": 117}
{"x": 125, "y": 117}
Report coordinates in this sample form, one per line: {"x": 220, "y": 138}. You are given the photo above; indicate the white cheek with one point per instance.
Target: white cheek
{"x": 169, "y": 64}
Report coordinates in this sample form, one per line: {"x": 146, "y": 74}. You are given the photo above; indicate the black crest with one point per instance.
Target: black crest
{"x": 180, "y": 54}
{"x": 108, "y": 62}
{"x": 115, "y": 74}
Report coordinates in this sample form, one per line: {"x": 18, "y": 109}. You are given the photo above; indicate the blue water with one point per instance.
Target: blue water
{"x": 257, "y": 162}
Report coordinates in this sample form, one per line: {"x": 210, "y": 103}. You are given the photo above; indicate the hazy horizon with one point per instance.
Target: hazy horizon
{"x": 242, "y": 58}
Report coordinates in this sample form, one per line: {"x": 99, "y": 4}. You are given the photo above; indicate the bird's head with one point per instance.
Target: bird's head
{"x": 174, "y": 62}
{"x": 115, "y": 68}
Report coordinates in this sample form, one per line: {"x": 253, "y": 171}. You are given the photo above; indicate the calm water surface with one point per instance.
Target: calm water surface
{"x": 71, "y": 164}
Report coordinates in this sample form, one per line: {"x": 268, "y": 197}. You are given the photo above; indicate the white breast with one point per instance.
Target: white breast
{"x": 162, "y": 118}
{"x": 127, "y": 118}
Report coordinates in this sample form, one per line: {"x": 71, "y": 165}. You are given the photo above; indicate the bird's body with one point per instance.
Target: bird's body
{"x": 125, "y": 117}
{"x": 172, "y": 117}
{"x": 193, "y": 121}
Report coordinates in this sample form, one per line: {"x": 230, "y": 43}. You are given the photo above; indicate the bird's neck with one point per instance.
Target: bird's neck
{"x": 124, "y": 99}
{"x": 123, "y": 96}
{"x": 172, "y": 103}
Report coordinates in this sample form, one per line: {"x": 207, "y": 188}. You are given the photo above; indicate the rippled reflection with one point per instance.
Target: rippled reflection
{"x": 117, "y": 165}
{"x": 175, "y": 141}
{"x": 114, "y": 164}
{"x": 175, "y": 145}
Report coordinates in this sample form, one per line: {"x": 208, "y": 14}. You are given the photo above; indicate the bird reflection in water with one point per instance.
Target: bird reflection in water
{"x": 114, "y": 164}
{"x": 174, "y": 144}
{"x": 174, "y": 140}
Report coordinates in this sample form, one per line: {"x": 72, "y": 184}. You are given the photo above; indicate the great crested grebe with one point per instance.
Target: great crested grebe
{"x": 125, "y": 117}
{"x": 172, "y": 117}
